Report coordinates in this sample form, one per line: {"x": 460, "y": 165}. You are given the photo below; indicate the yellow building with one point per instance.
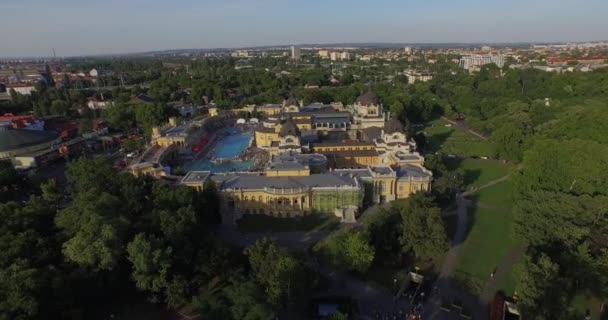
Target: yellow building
{"x": 264, "y": 137}
{"x": 348, "y": 153}
{"x": 290, "y": 189}
{"x": 269, "y": 109}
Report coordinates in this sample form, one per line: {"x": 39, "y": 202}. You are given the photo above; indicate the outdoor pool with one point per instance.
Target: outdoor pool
{"x": 229, "y": 147}
{"x": 232, "y": 146}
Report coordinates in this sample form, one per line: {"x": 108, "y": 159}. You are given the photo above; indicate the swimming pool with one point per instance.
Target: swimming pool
{"x": 232, "y": 146}
{"x": 229, "y": 147}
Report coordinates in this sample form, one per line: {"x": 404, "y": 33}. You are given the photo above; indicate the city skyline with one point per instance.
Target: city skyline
{"x": 34, "y": 28}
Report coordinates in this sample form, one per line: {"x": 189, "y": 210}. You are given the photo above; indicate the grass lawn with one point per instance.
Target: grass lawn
{"x": 583, "y": 302}
{"x": 262, "y": 223}
{"x": 450, "y": 140}
{"x": 489, "y": 239}
{"x": 478, "y": 172}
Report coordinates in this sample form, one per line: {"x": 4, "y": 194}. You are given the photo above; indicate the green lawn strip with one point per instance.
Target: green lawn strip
{"x": 583, "y": 302}
{"x": 507, "y": 284}
{"x": 261, "y": 223}
{"x": 489, "y": 239}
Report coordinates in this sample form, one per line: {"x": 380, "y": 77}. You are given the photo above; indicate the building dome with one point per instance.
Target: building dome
{"x": 393, "y": 125}
{"x": 289, "y": 128}
{"x": 367, "y": 99}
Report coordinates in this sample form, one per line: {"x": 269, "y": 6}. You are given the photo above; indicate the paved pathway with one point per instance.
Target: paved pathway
{"x": 487, "y": 185}
{"x": 502, "y": 270}
{"x": 299, "y": 240}
{"x": 464, "y": 127}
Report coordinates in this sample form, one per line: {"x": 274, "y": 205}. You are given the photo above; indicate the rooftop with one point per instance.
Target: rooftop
{"x": 257, "y": 182}
{"x": 410, "y": 171}
{"x": 196, "y": 177}
{"x": 346, "y": 143}
{"x": 13, "y": 139}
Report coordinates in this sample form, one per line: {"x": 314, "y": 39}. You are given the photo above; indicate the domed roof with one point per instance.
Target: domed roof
{"x": 367, "y": 99}
{"x": 289, "y": 128}
{"x": 291, "y": 101}
{"x": 393, "y": 125}
{"x": 13, "y": 139}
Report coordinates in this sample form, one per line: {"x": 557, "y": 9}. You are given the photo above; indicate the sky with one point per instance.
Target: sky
{"x": 92, "y": 27}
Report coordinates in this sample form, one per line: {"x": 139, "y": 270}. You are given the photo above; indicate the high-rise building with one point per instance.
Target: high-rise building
{"x": 295, "y": 53}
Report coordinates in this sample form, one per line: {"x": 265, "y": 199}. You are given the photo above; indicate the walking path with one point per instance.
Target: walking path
{"x": 487, "y": 185}
{"x": 445, "y": 288}
{"x": 464, "y": 127}
{"x": 502, "y": 270}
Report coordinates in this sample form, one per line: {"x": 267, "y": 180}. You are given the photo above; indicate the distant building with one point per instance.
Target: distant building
{"x": 413, "y": 76}
{"x": 478, "y": 60}
{"x": 296, "y": 54}
{"x": 336, "y": 56}
{"x": 240, "y": 54}
{"x": 95, "y": 104}
{"x": 323, "y": 53}
{"x": 24, "y": 89}
{"x": 98, "y": 73}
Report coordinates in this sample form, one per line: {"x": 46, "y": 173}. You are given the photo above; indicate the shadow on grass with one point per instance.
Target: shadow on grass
{"x": 263, "y": 223}
{"x": 473, "y": 201}
{"x": 435, "y": 142}
{"x": 471, "y": 175}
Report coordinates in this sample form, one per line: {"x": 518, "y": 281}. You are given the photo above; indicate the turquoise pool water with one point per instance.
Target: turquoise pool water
{"x": 231, "y": 146}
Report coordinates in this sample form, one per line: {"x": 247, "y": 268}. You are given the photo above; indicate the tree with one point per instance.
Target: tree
{"x": 383, "y": 229}
{"x": 131, "y": 145}
{"x": 561, "y": 200}
{"x": 121, "y": 117}
{"x": 51, "y": 192}
{"x": 282, "y": 276}
{"x": 150, "y": 115}
{"x": 541, "y": 292}
{"x": 511, "y": 140}
{"x": 19, "y": 291}
{"x": 243, "y": 298}
{"x": 59, "y": 107}
{"x": 422, "y": 227}
{"x": 95, "y": 230}
{"x": 358, "y": 254}
{"x": 10, "y": 181}
{"x": 96, "y": 174}
{"x": 151, "y": 261}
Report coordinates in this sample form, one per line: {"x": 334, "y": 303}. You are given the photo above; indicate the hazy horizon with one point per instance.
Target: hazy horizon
{"x": 34, "y": 27}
